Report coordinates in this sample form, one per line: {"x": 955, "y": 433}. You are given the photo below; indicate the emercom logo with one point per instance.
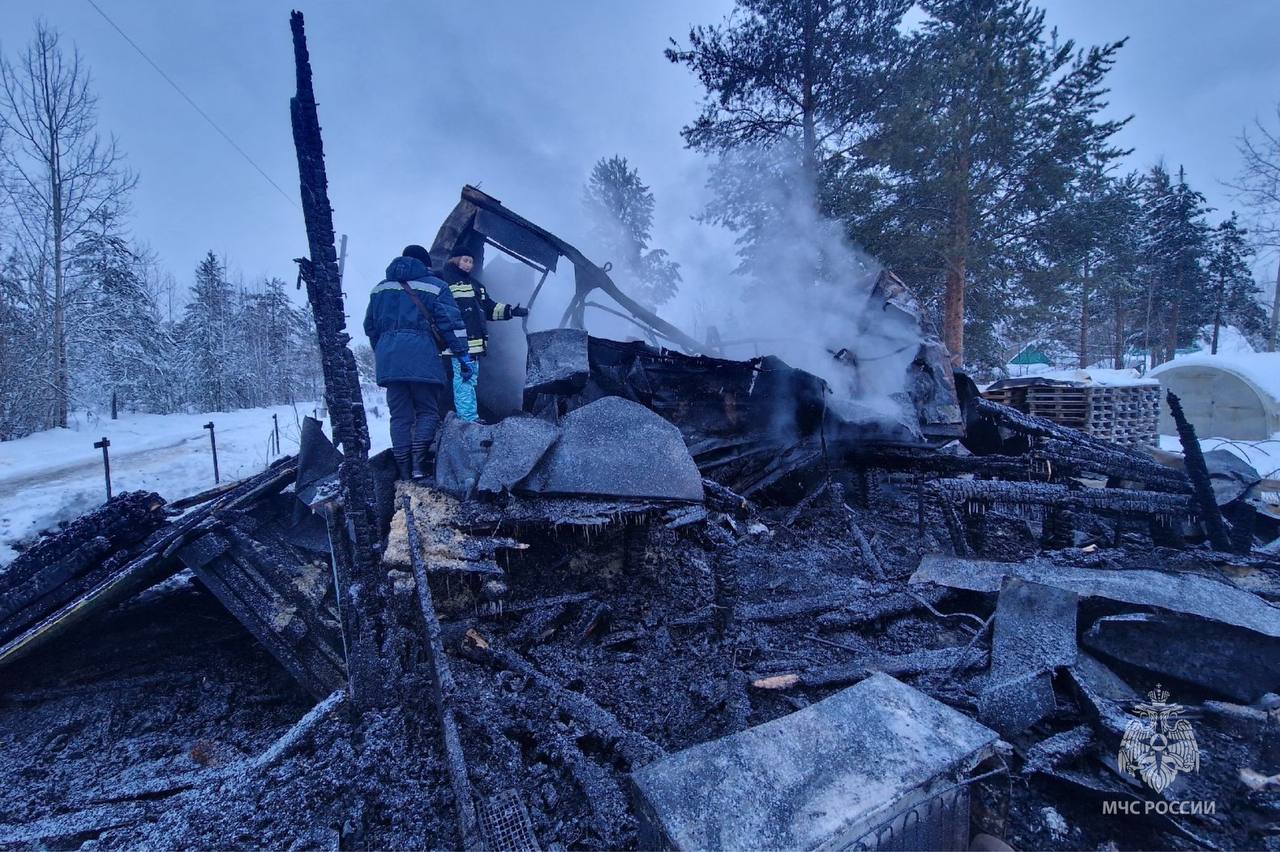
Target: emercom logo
{"x": 1157, "y": 745}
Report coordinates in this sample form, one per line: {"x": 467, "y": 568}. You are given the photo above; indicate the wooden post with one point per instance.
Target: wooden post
{"x": 213, "y": 445}
{"x": 275, "y": 427}
{"x": 364, "y": 586}
{"x": 106, "y": 461}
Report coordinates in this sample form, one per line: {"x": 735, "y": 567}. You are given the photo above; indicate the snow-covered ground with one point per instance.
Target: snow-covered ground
{"x": 55, "y": 476}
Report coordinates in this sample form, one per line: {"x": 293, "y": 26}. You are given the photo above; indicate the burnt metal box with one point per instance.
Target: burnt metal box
{"x": 878, "y": 765}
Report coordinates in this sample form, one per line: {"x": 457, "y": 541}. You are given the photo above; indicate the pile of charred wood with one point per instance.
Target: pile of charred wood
{"x": 1033, "y": 578}
{"x": 688, "y": 601}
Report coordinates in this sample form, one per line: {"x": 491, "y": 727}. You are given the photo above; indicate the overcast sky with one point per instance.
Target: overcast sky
{"x": 520, "y": 98}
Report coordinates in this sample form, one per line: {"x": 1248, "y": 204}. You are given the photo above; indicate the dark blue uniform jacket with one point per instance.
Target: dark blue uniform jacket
{"x": 403, "y": 347}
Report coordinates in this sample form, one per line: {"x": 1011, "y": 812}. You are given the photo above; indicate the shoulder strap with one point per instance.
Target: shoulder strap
{"x": 426, "y": 315}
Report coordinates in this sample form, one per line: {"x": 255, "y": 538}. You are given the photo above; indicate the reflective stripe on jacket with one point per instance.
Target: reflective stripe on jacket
{"x": 404, "y": 348}
{"x": 475, "y": 306}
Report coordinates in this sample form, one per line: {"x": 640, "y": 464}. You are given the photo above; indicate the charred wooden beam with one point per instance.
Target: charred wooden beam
{"x": 865, "y": 550}
{"x": 1119, "y": 501}
{"x": 278, "y": 599}
{"x": 132, "y": 569}
{"x": 634, "y": 747}
{"x": 1081, "y": 452}
{"x": 445, "y": 690}
{"x": 902, "y": 665}
{"x": 366, "y": 590}
{"x": 884, "y": 604}
{"x": 43, "y": 577}
{"x": 497, "y": 609}
{"x": 1198, "y": 473}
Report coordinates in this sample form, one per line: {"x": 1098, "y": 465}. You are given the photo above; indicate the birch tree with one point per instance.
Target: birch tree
{"x": 56, "y": 171}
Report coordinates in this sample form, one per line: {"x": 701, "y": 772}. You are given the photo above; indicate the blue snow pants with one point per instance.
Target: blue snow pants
{"x": 464, "y": 391}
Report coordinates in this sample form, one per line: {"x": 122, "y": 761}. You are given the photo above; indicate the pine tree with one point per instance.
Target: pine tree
{"x": 119, "y": 349}
{"x": 621, "y": 206}
{"x": 806, "y": 72}
{"x": 793, "y": 89}
{"x": 1177, "y": 246}
{"x": 207, "y": 340}
{"x": 992, "y": 123}
{"x": 1236, "y": 294}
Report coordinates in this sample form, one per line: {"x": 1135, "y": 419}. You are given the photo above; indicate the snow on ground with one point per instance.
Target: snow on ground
{"x": 1101, "y": 376}
{"x": 55, "y": 476}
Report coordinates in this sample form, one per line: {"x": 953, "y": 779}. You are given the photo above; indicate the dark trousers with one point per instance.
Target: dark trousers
{"x": 415, "y": 414}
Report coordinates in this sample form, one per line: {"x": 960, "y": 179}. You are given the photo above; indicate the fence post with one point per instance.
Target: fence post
{"x": 213, "y": 445}
{"x": 106, "y": 461}
{"x": 275, "y": 420}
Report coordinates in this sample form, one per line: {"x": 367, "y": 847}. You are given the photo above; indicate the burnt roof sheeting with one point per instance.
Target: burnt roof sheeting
{"x": 490, "y": 459}
{"x": 318, "y": 460}
{"x": 1035, "y": 633}
{"x": 821, "y": 777}
{"x": 1237, "y": 663}
{"x": 518, "y": 444}
{"x": 557, "y": 361}
{"x": 1189, "y": 594}
{"x": 516, "y": 238}
{"x": 618, "y": 448}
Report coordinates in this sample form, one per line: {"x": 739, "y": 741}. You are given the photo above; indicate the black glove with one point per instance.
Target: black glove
{"x": 517, "y": 311}
{"x": 466, "y": 367}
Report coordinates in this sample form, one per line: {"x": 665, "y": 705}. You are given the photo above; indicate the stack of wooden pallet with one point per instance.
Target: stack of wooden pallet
{"x": 1122, "y": 414}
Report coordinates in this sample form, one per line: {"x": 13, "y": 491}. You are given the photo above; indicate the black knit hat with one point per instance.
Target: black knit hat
{"x": 462, "y": 250}
{"x": 419, "y": 252}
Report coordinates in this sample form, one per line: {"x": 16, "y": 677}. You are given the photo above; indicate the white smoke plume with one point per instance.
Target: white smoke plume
{"x": 799, "y": 289}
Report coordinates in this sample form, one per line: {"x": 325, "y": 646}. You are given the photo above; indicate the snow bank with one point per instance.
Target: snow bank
{"x": 54, "y": 476}
{"x": 1261, "y": 368}
{"x": 1100, "y": 376}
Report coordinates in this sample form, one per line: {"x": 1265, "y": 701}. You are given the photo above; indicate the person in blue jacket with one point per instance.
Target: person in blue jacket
{"x": 411, "y": 317}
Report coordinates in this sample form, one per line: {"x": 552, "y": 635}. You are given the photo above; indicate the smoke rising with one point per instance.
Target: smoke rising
{"x": 786, "y": 281}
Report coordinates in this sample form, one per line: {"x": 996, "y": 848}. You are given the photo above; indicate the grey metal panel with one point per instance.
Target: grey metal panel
{"x": 1219, "y": 404}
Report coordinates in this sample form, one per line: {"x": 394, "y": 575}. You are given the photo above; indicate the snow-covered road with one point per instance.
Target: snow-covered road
{"x": 54, "y": 476}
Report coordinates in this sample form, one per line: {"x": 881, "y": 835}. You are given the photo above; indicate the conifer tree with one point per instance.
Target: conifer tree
{"x": 206, "y": 338}
{"x": 1235, "y": 293}
{"x": 621, "y": 206}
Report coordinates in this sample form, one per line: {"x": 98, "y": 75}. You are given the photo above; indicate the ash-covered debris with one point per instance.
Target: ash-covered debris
{"x": 662, "y": 552}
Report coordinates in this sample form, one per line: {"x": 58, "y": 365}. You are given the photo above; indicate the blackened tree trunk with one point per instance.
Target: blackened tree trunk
{"x": 364, "y": 597}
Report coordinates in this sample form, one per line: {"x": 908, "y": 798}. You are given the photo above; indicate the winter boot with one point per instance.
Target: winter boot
{"x": 404, "y": 464}
{"x": 424, "y": 463}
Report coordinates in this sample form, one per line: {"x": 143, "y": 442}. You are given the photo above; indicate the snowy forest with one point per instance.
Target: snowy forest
{"x": 971, "y": 153}
{"x": 89, "y": 319}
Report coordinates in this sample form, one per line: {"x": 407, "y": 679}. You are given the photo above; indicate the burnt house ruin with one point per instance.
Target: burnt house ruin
{"x": 672, "y": 600}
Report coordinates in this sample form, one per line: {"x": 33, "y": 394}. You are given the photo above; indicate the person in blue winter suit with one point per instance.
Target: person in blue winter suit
{"x": 411, "y": 317}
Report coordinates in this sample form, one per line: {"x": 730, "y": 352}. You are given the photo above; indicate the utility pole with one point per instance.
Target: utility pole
{"x": 357, "y": 558}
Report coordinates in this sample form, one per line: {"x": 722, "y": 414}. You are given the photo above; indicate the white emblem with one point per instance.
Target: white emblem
{"x": 1157, "y": 746}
